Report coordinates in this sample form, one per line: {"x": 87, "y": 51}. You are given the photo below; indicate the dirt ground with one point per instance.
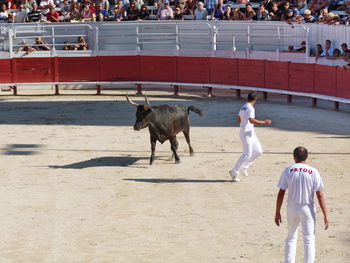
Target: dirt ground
{"x": 76, "y": 185}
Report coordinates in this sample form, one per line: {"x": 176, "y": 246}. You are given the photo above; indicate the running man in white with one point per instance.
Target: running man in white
{"x": 301, "y": 181}
{"x": 251, "y": 145}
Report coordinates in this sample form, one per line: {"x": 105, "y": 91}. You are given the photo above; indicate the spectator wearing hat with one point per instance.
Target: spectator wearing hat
{"x": 201, "y": 12}
{"x": 165, "y": 12}
{"x": 308, "y": 18}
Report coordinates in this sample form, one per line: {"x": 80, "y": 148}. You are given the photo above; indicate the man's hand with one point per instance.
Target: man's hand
{"x": 326, "y": 223}
{"x": 268, "y": 122}
{"x": 278, "y": 219}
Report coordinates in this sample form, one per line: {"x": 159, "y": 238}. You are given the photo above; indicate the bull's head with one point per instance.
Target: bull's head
{"x": 142, "y": 112}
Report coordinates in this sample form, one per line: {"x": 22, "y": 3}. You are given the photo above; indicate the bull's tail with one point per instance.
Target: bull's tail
{"x": 194, "y": 109}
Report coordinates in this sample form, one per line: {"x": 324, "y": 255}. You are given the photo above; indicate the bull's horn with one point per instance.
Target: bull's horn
{"x": 131, "y": 102}
{"x": 147, "y": 105}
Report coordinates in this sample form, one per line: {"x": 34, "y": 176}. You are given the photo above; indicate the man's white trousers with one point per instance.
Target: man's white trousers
{"x": 304, "y": 215}
{"x": 251, "y": 150}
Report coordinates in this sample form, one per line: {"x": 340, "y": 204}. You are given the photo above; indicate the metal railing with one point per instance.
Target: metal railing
{"x": 175, "y": 36}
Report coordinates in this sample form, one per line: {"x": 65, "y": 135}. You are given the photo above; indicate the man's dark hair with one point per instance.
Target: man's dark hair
{"x": 248, "y": 5}
{"x": 300, "y": 153}
{"x": 344, "y": 45}
{"x": 252, "y": 96}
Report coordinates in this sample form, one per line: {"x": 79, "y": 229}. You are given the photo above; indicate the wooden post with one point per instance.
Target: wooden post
{"x": 210, "y": 92}
{"x": 176, "y": 90}
{"x": 14, "y": 89}
{"x": 138, "y": 89}
{"x": 314, "y": 102}
{"x": 98, "y": 89}
{"x": 57, "y": 90}
{"x": 289, "y": 98}
{"x": 238, "y": 93}
{"x": 265, "y": 95}
{"x": 336, "y": 105}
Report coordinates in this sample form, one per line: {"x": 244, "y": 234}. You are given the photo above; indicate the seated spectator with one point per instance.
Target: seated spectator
{"x": 45, "y": 6}
{"x": 346, "y": 20}
{"x": 144, "y": 14}
{"x": 288, "y": 17}
{"x": 35, "y": 15}
{"x": 82, "y": 45}
{"x": 328, "y": 50}
{"x": 52, "y": 16}
{"x": 308, "y": 18}
{"x": 250, "y": 13}
{"x": 119, "y": 12}
{"x": 275, "y": 13}
{"x": 317, "y": 5}
{"x": 87, "y": 14}
{"x": 101, "y": 14}
{"x": 26, "y": 47}
{"x": 302, "y": 49}
{"x": 105, "y": 4}
{"x": 177, "y": 14}
{"x": 237, "y": 14}
{"x": 319, "y": 51}
{"x": 190, "y": 6}
{"x": 345, "y": 50}
{"x": 219, "y": 11}
{"x": 69, "y": 46}
{"x": 165, "y": 13}
{"x": 262, "y": 13}
{"x": 40, "y": 45}
{"x": 74, "y": 13}
{"x": 20, "y": 15}
{"x": 201, "y": 12}
{"x": 290, "y": 49}
{"x": 4, "y": 14}
{"x": 228, "y": 13}
{"x": 65, "y": 8}
{"x": 284, "y": 10}
{"x": 332, "y": 19}
{"x": 336, "y": 54}
{"x": 133, "y": 11}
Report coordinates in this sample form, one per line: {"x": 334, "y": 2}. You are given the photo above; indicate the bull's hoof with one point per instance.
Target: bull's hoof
{"x": 191, "y": 153}
{"x": 177, "y": 161}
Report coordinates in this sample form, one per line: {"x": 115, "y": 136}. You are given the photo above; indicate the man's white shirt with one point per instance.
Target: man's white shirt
{"x": 246, "y": 112}
{"x": 301, "y": 181}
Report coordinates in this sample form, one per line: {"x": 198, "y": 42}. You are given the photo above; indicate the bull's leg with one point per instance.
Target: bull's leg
{"x": 153, "y": 148}
{"x": 174, "y": 143}
{"x": 187, "y": 136}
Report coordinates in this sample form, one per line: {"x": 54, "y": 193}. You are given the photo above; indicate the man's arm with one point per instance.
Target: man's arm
{"x": 238, "y": 119}
{"x": 279, "y": 202}
{"x": 255, "y": 121}
{"x": 322, "y": 204}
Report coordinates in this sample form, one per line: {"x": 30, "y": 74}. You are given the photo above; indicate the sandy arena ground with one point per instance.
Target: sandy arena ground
{"x": 76, "y": 185}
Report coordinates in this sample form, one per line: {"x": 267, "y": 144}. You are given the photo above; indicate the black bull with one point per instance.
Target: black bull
{"x": 164, "y": 122}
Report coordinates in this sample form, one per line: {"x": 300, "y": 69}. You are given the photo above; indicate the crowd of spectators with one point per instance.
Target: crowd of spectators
{"x": 298, "y": 11}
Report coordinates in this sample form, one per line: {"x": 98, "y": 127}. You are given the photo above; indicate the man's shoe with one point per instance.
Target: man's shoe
{"x": 234, "y": 177}
{"x": 244, "y": 172}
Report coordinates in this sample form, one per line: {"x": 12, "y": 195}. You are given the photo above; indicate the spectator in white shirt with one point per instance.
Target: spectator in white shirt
{"x": 165, "y": 13}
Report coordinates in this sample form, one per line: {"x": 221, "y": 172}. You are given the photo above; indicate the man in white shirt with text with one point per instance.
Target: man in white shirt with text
{"x": 301, "y": 181}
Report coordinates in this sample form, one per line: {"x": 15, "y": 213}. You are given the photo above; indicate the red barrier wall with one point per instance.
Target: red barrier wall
{"x": 299, "y": 77}
{"x": 277, "y": 75}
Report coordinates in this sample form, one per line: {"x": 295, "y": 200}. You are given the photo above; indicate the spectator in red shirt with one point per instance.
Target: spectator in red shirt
{"x": 52, "y": 15}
